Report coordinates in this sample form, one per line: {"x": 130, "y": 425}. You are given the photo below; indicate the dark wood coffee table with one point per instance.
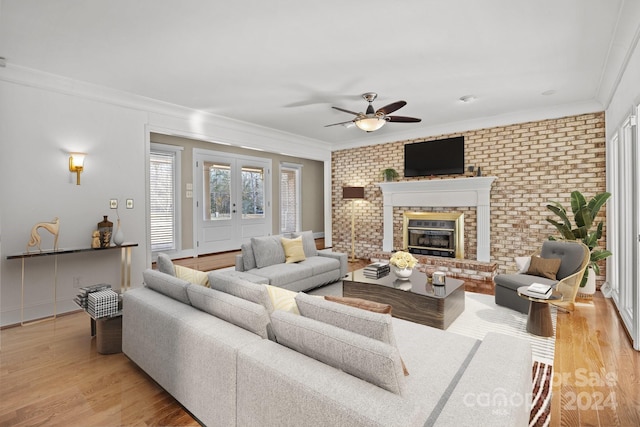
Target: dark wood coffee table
{"x": 413, "y": 299}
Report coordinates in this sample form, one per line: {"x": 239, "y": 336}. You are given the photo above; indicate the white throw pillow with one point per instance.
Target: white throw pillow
{"x": 522, "y": 263}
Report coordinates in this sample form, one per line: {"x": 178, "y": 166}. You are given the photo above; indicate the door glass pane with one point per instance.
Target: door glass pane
{"x": 217, "y": 184}
{"x": 252, "y": 192}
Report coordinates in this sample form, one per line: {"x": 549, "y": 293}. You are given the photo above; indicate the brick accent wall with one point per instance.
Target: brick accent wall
{"x": 534, "y": 163}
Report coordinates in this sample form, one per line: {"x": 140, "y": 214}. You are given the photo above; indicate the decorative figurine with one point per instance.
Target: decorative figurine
{"x": 52, "y": 227}
{"x": 95, "y": 241}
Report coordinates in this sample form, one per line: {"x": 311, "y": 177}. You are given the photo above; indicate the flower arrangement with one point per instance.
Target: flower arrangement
{"x": 402, "y": 259}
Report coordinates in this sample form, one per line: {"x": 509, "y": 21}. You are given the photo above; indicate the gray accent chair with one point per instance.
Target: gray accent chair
{"x": 574, "y": 261}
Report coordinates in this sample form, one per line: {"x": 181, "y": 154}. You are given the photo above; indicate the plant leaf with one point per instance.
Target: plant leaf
{"x": 577, "y": 202}
{"x": 600, "y": 254}
{"x": 597, "y": 202}
{"x": 561, "y": 212}
{"x": 583, "y": 218}
{"x": 565, "y": 231}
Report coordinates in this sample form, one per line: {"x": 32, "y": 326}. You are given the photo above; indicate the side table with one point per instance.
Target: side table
{"x": 539, "y": 318}
{"x": 108, "y": 333}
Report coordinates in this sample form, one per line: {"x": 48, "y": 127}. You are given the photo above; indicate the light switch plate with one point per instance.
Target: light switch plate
{"x": 189, "y": 186}
{"x": 113, "y": 203}
{"x": 129, "y": 203}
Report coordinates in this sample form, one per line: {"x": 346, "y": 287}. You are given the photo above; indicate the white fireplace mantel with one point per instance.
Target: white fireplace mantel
{"x": 459, "y": 192}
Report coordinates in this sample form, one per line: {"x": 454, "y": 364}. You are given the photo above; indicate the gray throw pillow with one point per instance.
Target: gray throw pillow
{"x": 268, "y": 251}
{"x": 370, "y": 360}
{"x": 308, "y": 243}
{"x": 165, "y": 265}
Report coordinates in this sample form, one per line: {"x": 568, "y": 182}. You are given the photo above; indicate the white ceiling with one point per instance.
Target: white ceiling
{"x": 282, "y": 64}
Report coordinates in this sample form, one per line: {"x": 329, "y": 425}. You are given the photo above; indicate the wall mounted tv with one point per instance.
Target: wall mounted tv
{"x": 440, "y": 157}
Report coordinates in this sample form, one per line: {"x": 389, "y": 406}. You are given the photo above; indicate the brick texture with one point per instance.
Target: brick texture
{"x": 534, "y": 163}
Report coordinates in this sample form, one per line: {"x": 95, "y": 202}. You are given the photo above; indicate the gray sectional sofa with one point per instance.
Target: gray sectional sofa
{"x": 263, "y": 261}
{"x": 232, "y": 360}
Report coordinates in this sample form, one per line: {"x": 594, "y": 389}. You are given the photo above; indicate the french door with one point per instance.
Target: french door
{"x": 232, "y": 200}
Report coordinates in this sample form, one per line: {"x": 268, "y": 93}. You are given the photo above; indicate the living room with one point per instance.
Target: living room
{"x": 47, "y": 114}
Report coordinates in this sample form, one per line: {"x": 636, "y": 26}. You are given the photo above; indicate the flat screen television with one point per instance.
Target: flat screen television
{"x": 440, "y": 157}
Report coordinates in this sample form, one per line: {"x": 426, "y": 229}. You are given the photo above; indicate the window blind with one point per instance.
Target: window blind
{"x": 162, "y": 200}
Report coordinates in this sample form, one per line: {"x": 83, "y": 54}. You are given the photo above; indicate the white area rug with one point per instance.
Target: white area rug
{"x": 482, "y": 315}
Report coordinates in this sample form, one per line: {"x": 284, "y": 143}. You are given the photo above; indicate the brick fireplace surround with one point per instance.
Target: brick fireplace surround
{"x": 533, "y": 162}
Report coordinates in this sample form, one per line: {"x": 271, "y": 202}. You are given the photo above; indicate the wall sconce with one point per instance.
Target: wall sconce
{"x": 353, "y": 193}
{"x": 76, "y": 164}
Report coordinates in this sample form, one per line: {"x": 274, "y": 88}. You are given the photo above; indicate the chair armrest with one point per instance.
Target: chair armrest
{"x": 344, "y": 264}
{"x": 239, "y": 263}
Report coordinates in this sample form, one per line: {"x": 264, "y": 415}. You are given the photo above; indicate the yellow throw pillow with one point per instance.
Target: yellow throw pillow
{"x": 283, "y": 299}
{"x": 193, "y": 276}
{"x": 293, "y": 249}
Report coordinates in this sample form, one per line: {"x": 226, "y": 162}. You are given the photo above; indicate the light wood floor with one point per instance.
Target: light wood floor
{"x": 51, "y": 374}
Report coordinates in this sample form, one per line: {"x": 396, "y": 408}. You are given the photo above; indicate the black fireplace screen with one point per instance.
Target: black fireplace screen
{"x": 432, "y": 238}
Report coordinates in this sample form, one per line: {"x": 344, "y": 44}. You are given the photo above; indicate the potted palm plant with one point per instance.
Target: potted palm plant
{"x": 389, "y": 174}
{"x": 585, "y": 230}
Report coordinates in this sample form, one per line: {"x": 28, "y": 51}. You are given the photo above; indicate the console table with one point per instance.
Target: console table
{"x": 125, "y": 270}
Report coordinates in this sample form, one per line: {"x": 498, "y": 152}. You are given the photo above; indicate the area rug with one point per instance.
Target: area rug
{"x": 482, "y": 315}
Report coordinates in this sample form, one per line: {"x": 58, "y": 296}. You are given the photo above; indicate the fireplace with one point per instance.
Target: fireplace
{"x": 434, "y": 233}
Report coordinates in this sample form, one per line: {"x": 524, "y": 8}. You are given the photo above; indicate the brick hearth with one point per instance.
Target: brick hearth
{"x": 478, "y": 276}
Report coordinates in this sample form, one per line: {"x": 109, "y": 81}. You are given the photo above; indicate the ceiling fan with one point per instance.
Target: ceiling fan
{"x": 373, "y": 120}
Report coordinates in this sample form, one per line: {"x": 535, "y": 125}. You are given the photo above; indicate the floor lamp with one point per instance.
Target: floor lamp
{"x": 353, "y": 193}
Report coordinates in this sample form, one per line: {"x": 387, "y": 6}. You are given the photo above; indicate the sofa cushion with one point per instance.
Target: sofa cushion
{"x": 514, "y": 281}
{"x": 571, "y": 253}
{"x": 360, "y": 303}
{"x": 321, "y": 264}
{"x": 283, "y": 274}
{"x": 245, "y": 314}
{"x": 267, "y": 250}
{"x": 167, "y": 285}
{"x": 373, "y": 325}
{"x": 248, "y": 259}
{"x": 193, "y": 276}
{"x": 308, "y": 242}
{"x": 544, "y": 267}
{"x": 368, "y": 359}
{"x": 165, "y": 265}
{"x": 293, "y": 250}
{"x": 241, "y": 288}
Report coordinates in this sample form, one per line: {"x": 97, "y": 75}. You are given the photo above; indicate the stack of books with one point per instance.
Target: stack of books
{"x": 82, "y": 298}
{"x": 376, "y": 270}
{"x": 102, "y": 303}
{"x": 539, "y": 290}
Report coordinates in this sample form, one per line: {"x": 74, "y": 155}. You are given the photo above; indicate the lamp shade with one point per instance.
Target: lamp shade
{"x": 353, "y": 192}
{"x": 370, "y": 124}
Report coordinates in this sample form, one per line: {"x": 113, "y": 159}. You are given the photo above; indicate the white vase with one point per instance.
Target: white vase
{"x": 402, "y": 273}
{"x": 118, "y": 237}
{"x": 589, "y": 288}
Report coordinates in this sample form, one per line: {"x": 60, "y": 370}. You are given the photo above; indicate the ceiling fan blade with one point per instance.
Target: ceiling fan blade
{"x": 388, "y": 109}
{"x": 341, "y": 123}
{"x": 403, "y": 119}
{"x": 346, "y": 111}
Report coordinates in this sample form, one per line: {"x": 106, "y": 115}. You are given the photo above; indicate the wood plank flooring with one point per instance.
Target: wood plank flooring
{"x": 52, "y": 375}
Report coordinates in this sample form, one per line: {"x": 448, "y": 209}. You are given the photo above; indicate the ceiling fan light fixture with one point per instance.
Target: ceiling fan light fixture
{"x": 370, "y": 124}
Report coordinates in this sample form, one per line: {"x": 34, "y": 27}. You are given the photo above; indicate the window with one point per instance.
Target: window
{"x": 164, "y": 161}
{"x": 252, "y": 192}
{"x": 289, "y": 197}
